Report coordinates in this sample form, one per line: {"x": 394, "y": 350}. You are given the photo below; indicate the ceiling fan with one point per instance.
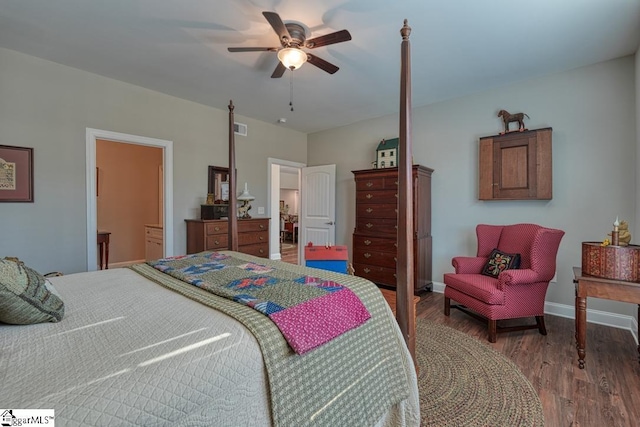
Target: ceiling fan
{"x": 293, "y": 38}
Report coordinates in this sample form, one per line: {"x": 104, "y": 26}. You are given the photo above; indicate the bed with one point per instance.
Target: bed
{"x": 139, "y": 347}
{"x": 130, "y": 351}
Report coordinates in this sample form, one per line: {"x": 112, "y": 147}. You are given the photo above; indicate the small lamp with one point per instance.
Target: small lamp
{"x": 245, "y": 198}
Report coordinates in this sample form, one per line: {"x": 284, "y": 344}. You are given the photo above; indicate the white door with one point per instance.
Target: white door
{"x": 317, "y": 223}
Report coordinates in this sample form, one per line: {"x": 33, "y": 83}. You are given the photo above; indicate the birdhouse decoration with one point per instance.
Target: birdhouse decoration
{"x": 387, "y": 153}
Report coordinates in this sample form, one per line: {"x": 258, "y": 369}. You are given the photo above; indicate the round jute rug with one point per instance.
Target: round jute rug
{"x": 464, "y": 382}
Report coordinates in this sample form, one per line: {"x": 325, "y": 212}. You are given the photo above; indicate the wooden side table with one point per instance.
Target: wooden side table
{"x": 103, "y": 248}
{"x": 591, "y": 286}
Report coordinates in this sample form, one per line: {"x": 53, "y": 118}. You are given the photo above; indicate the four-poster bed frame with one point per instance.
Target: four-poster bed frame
{"x": 406, "y": 315}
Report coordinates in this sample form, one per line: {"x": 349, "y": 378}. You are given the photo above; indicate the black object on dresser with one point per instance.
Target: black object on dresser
{"x": 375, "y": 240}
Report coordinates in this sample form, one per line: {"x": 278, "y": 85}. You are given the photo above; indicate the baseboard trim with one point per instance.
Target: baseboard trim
{"x": 605, "y": 318}
{"x": 125, "y": 263}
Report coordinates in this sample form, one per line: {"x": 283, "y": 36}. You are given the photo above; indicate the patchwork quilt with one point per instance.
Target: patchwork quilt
{"x": 308, "y": 310}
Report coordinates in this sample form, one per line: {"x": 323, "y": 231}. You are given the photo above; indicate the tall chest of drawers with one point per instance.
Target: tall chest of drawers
{"x": 375, "y": 239}
{"x": 211, "y": 235}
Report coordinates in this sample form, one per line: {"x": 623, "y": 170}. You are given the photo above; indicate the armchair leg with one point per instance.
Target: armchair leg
{"x": 493, "y": 326}
{"x": 541, "y": 327}
{"x": 447, "y": 306}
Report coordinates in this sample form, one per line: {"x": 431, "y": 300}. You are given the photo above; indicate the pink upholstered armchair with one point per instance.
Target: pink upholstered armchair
{"x": 512, "y": 292}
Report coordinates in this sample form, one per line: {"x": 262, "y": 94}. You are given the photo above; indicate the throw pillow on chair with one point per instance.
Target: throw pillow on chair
{"x": 499, "y": 261}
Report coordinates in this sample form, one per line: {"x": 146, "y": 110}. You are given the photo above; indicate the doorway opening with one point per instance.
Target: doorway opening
{"x": 92, "y": 135}
{"x": 281, "y": 172}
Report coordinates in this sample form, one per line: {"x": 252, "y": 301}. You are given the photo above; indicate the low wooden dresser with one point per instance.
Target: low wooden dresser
{"x": 153, "y": 241}
{"x": 211, "y": 235}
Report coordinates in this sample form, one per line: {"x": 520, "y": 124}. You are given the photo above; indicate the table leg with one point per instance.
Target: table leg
{"x": 576, "y": 316}
{"x": 101, "y": 249}
{"x": 581, "y": 326}
{"x": 106, "y": 254}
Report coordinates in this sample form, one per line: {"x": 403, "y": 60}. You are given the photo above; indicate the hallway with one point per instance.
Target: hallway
{"x": 289, "y": 252}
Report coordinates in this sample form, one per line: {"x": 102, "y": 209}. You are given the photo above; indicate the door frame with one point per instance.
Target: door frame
{"x": 273, "y": 201}
{"x": 92, "y": 135}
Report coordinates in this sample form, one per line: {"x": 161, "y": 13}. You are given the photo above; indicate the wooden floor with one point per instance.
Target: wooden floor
{"x": 289, "y": 252}
{"x": 605, "y": 393}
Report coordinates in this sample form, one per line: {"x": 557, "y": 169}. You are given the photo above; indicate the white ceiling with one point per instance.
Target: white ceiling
{"x": 458, "y": 47}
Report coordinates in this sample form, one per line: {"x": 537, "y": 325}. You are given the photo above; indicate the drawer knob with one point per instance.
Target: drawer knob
{"x": 396, "y": 195}
{"x": 369, "y": 210}
{"x": 367, "y": 242}
{"x": 262, "y": 226}
{"x": 217, "y": 242}
{"x": 261, "y": 251}
{"x": 394, "y": 276}
{"x": 366, "y": 270}
{"x": 261, "y": 238}
{"x": 369, "y": 196}
{"x": 369, "y": 184}
{"x": 396, "y": 209}
{"x": 368, "y": 225}
{"x": 395, "y": 259}
{"x": 396, "y": 182}
{"x": 216, "y": 228}
{"x": 395, "y": 244}
{"x": 367, "y": 255}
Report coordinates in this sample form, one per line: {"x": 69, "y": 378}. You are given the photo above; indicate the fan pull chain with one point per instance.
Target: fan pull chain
{"x": 291, "y": 91}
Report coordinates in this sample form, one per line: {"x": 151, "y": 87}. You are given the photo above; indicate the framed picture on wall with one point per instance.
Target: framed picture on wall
{"x": 16, "y": 174}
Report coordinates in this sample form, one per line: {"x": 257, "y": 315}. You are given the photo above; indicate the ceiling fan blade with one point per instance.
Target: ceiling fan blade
{"x": 279, "y": 71}
{"x": 322, "y": 64}
{"x": 252, "y": 49}
{"x": 278, "y": 26}
{"x": 327, "y": 39}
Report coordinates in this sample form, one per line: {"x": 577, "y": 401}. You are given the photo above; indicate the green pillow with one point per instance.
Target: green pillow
{"x": 24, "y": 297}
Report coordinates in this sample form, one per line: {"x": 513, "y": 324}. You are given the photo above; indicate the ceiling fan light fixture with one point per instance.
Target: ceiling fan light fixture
{"x": 292, "y": 57}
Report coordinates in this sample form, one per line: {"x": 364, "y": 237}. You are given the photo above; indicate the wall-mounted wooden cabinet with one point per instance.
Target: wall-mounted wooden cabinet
{"x": 516, "y": 166}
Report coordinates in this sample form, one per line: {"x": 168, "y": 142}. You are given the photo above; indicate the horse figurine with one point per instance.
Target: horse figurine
{"x": 508, "y": 118}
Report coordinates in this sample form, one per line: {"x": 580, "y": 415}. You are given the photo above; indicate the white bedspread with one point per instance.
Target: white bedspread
{"x": 130, "y": 352}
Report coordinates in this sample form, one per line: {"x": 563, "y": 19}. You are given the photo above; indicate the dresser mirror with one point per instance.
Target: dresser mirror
{"x": 219, "y": 184}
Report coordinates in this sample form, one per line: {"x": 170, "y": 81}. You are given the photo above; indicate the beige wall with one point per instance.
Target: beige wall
{"x": 290, "y": 198}
{"x": 128, "y": 196}
{"x": 592, "y": 112}
{"x": 48, "y": 106}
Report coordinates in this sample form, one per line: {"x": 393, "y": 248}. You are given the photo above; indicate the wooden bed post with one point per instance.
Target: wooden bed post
{"x": 233, "y": 206}
{"x": 406, "y": 312}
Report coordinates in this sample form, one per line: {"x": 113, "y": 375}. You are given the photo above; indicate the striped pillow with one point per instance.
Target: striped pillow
{"x": 24, "y": 297}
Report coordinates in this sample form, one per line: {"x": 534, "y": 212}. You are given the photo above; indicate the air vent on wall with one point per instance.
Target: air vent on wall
{"x": 240, "y": 129}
